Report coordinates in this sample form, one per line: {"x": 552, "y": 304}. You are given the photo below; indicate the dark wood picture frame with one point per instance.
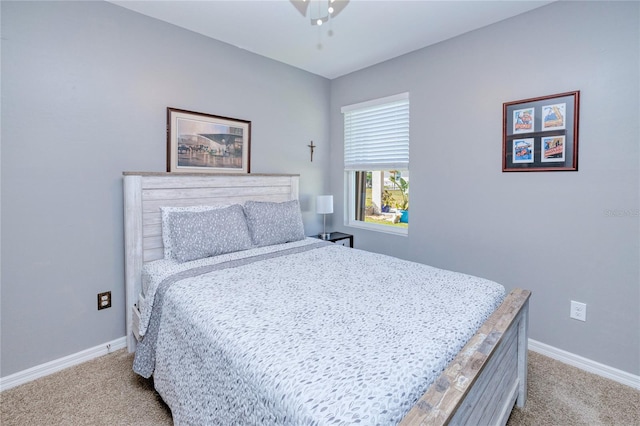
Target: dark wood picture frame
{"x": 205, "y": 143}
{"x": 541, "y": 134}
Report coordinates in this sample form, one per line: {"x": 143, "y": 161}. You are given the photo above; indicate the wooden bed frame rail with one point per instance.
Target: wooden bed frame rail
{"x": 489, "y": 375}
{"x": 479, "y": 387}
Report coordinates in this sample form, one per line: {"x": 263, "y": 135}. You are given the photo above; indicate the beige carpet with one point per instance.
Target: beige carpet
{"x": 559, "y": 394}
{"x": 106, "y": 392}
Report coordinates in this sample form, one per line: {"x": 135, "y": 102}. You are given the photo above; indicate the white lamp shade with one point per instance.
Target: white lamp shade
{"x": 324, "y": 204}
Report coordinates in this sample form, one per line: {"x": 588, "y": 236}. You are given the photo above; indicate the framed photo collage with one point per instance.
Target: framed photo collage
{"x": 541, "y": 134}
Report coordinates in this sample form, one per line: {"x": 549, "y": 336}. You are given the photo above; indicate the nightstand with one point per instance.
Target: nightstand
{"x": 339, "y": 238}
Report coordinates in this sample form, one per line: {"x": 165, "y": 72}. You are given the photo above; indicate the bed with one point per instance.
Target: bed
{"x": 226, "y": 342}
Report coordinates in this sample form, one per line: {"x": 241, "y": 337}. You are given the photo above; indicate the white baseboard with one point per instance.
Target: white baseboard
{"x": 585, "y": 364}
{"x": 97, "y": 351}
{"x": 60, "y": 364}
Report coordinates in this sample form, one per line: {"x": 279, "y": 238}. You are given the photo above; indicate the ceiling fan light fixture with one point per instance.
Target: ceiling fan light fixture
{"x": 328, "y": 8}
{"x": 319, "y": 21}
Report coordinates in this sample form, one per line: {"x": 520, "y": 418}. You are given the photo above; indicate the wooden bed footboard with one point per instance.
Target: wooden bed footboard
{"x": 489, "y": 375}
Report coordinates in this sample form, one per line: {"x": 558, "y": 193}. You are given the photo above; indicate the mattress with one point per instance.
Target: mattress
{"x": 304, "y": 333}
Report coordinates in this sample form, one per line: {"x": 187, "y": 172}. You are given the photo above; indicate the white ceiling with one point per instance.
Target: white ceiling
{"x": 364, "y": 33}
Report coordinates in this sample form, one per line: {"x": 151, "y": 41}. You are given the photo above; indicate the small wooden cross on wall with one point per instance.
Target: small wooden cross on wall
{"x": 311, "y": 146}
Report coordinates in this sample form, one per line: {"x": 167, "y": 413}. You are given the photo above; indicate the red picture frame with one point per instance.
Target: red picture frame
{"x": 541, "y": 134}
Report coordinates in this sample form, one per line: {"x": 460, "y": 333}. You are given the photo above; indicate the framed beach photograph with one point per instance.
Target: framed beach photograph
{"x": 541, "y": 134}
{"x": 205, "y": 143}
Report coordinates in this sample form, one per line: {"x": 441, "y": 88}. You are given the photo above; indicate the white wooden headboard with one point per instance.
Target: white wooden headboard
{"x": 146, "y": 192}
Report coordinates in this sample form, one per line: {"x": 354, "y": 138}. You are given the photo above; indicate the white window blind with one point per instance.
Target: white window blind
{"x": 376, "y": 134}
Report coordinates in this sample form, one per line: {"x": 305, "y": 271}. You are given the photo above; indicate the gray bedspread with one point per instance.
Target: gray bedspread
{"x": 314, "y": 334}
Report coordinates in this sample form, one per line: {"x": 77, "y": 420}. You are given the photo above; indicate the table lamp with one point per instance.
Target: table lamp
{"x": 324, "y": 206}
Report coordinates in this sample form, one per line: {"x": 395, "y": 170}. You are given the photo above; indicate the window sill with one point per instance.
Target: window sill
{"x": 378, "y": 228}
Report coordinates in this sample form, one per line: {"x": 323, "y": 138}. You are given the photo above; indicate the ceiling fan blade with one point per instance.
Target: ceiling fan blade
{"x": 338, "y": 5}
{"x": 301, "y": 6}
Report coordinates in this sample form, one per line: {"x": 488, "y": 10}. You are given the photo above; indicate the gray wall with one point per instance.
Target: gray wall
{"x": 84, "y": 92}
{"x": 547, "y": 232}
{"x": 85, "y": 87}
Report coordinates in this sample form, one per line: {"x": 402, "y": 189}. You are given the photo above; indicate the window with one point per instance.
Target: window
{"x": 376, "y": 164}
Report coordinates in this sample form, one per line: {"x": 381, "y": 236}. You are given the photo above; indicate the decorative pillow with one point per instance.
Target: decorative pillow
{"x": 274, "y": 223}
{"x": 196, "y": 235}
{"x": 166, "y": 240}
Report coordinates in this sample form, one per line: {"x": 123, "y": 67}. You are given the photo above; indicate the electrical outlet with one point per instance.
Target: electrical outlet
{"x": 578, "y": 311}
{"x": 104, "y": 300}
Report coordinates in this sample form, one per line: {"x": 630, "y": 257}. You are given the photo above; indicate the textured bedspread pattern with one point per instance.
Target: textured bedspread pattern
{"x": 305, "y": 338}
